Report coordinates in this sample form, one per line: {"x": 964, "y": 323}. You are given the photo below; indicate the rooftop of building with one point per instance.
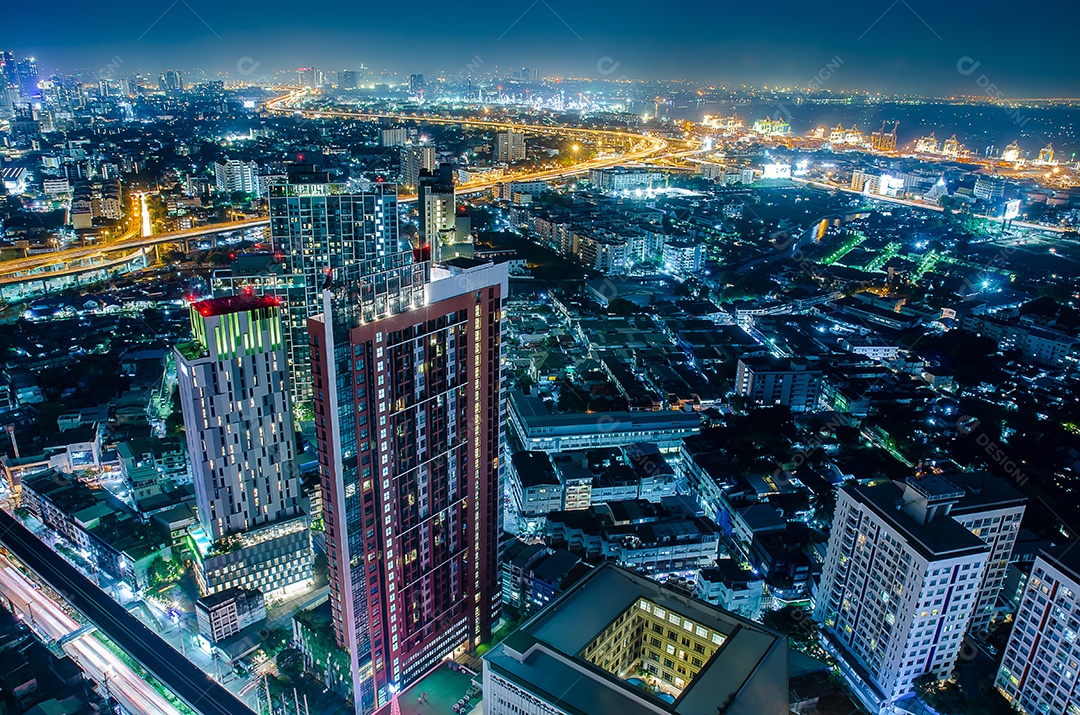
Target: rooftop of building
{"x": 216, "y": 599}
{"x": 728, "y": 572}
{"x": 534, "y": 469}
{"x": 554, "y": 567}
{"x": 747, "y": 673}
{"x": 767, "y": 363}
{"x": 983, "y": 491}
{"x": 442, "y": 688}
{"x": 535, "y": 414}
{"x": 937, "y": 539}
{"x": 1065, "y": 558}
{"x": 234, "y": 304}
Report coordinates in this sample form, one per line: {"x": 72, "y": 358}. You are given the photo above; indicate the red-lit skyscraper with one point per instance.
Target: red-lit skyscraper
{"x": 407, "y": 414}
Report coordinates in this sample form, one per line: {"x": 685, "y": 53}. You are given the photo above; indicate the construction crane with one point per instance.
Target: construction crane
{"x": 882, "y": 141}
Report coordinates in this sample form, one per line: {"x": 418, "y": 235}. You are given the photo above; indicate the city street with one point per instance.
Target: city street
{"x": 51, "y": 623}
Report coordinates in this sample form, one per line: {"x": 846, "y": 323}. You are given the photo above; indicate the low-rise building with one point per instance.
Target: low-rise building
{"x": 735, "y": 589}
{"x": 538, "y": 428}
{"x": 650, "y": 538}
{"x": 99, "y": 529}
{"x": 223, "y": 614}
{"x": 779, "y": 381}
{"x": 534, "y": 485}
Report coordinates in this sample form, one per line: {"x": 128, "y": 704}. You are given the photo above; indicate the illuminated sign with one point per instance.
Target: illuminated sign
{"x": 776, "y": 171}
{"x": 1012, "y": 209}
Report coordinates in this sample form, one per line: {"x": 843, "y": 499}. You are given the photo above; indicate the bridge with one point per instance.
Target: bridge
{"x": 191, "y": 685}
{"x": 41, "y": 274}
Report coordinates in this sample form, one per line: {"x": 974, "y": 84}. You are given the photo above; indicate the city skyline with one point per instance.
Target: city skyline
{"x": 902, "y": 46}
{"x": 570, "y": 365}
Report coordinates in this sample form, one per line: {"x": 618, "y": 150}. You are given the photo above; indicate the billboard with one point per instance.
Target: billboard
{"x": 1012, "y": 209}
{"x": 776, "y": 171}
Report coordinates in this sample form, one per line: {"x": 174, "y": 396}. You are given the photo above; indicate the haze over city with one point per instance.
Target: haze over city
{"x": 886, "y": 45}
{"x": 539, "y": 358}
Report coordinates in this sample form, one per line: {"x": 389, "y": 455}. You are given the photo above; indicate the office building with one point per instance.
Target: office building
{"x": 170, "y": 82}
{"x": 533, "y": 575}
{"x": 8, "y": 69}
{"x": 534, "y": 486}
{"x": 27, "y": 71}
{"x": 348, "y": 79}
{"x": 989, "y": 189}
{"x": 233, "y": 383}
{"x": 416, "y": 83}
{"x": 509, "y": 147}
{"x": 407, "y": 419}
{"x": 626, "y": 178}
{"x": 437, "y": 207}
{"x": 415, "y": 159}
{"x": 595, "y": 647}
{"x": 727, "y": 585}
{"x": 232, "y": 176}
{"x": 659, "y": 540}
{"x": 778, "y": 381}
{"x": 1040, "y": 671}
{"x": 320, "y": 226}
{"x": 224, "y": 614}
{"x": 307, "y": 77}
{"x": 684, "y": 258}
{"x": 899, "y": 586}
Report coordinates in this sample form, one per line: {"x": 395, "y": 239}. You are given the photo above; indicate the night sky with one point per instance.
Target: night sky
{"x": 879, "y": 45}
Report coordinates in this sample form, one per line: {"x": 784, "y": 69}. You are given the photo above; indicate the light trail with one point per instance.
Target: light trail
{"x": 652, "y": 146}
{"x": 97, "y": 661}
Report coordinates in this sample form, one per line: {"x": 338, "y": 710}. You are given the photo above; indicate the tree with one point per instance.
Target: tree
{"x": 798, "y": 626}
{"x": 290, "y": 663}
{"x": 161, "y": 572}
{"x": 622, "y": 306}
{"x": 944, "y": 696}
{"x": 846, "y": 434}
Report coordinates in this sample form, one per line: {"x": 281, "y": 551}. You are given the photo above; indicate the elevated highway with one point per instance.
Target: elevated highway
{"x": 76, "y": 261}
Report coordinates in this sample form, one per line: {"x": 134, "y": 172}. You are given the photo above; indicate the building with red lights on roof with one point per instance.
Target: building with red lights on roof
{"x": 233, "y": 381}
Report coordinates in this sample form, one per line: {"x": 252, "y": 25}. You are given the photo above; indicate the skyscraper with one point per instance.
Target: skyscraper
{"x": 348, "y": 79}
{"x": 436, "y": 204}
{"x": 899, "y": 586}
{"x": 1039, "y": 672}
{"x": 321, "y": 226}
{"x": 509, "y": 146}
{"x": 8, "y": 69}
{"x": 28, "y": 77}
{"x": 407, "y": 406}
{"x": 415, "y": 159}
{"x": 233, "y": 384}
{"x": 170, "y": 82}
